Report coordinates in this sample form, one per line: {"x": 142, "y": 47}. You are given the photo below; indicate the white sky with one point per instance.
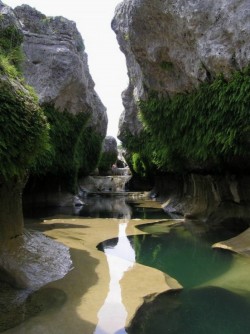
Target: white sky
{"x": 106, "y": 61}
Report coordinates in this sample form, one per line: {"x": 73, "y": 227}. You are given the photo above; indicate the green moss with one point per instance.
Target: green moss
{"x": 167, "y": 65}
{"x": 23, "y": 128}
{"x": 75, "y": 148}
{"x": 209, "y": 125}
{"x": 107, "y": 160}
{"x": 139, "y": 152}
{"x": 11, "y": 55}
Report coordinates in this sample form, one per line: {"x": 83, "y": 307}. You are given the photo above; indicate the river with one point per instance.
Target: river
{"x": 132, "y": 264}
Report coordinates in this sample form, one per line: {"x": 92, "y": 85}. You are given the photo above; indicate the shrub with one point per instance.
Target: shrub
{"x": 207, "y": 126}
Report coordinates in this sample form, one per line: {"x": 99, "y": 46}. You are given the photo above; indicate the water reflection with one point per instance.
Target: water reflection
{"x": 181, "y": 255}
{"x": 106, "y": 207}
{"x": 94, "y": 207}
{"x": 121, "y": 257}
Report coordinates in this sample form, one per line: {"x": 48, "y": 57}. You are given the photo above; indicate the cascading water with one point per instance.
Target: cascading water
{"x": 114, "y": 183}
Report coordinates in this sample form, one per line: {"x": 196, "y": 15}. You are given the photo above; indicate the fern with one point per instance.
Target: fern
{"x": 207, "y": 127}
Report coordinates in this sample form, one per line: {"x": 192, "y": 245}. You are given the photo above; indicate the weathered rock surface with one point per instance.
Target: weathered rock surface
{"x": 239, "y": 244}
{"x": 32, "y": 260}
{"x": 216, "y": 200}
{"x": 56, "y": 65}
{"x": 172, "y": 46}
{"x": 104, "y": 184}
{"x": 8, "y": 18}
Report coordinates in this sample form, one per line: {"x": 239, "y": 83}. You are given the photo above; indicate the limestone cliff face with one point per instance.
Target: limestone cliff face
{"x": 56, "y": 65}
{"x": 172, "y": 46}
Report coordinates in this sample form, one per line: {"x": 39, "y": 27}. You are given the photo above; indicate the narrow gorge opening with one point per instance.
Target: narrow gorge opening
{"x": 141, "y": 226}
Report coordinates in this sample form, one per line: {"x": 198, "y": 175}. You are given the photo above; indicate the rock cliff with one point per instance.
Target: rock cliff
{"x": 173, "y": 46}
{"x": 48, "y": 54}
{"x": 56, "y": 65}
{"x": 194, "y": 57}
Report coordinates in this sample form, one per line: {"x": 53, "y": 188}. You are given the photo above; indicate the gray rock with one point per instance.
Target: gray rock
{"x": 56, "y": 65}
{"x": 109, "y": 145}
{"x": 8, "y": 18}
{"x": 172, "y": 46}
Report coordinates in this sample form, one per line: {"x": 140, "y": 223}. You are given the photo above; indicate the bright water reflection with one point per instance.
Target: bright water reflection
{"x": 112, "y": 315}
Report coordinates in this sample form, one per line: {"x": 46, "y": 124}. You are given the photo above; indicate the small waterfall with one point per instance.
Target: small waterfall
{"x": 104, "y": 184}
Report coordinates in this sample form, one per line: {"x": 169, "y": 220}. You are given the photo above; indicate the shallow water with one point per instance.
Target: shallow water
{"x": 216, "y": 294}
{"x": 96, "y": 295}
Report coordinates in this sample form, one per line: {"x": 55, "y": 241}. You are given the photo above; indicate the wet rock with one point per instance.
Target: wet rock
{"x": 239, "y": 244}
{"x": 215, "y": 200}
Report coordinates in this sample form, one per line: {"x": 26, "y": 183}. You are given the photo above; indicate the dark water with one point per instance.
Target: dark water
{"x": 99, "y": 207}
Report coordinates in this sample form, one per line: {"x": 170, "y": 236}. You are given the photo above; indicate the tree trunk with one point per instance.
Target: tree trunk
{"x": 11, "y": 213}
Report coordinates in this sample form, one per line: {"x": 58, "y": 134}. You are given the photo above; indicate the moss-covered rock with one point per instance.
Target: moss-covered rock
{"x": 204, "y": 130}
{"x": 24, "y": 130}
{"x": 24, "y": 135}
{"x": 109, "y": 154}
{"x": 74, "y": 151}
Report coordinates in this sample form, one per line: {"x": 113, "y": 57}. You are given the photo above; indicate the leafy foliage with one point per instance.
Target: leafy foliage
{"x": 139, "y": 152}
{"x": 107, "y": 160}
{"x": 23, "y": 129}
{"x": 11, "y": 55}
{"x": 207, "y": 127}
{"x": 75, "y": 148}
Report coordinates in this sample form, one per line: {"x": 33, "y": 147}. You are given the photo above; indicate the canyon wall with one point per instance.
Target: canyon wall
{"x": 62, "y": 131}
{"x": 186, "y": 106}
